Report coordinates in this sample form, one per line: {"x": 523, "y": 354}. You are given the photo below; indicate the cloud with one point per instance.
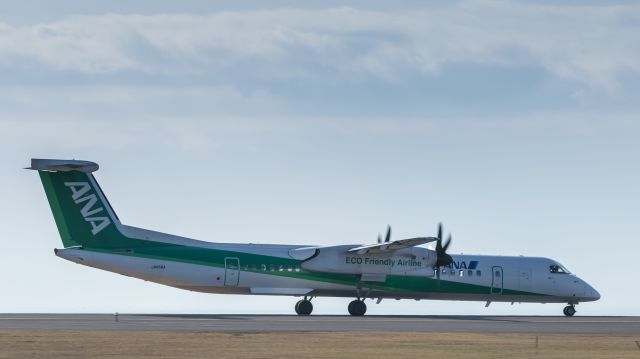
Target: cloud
{"x": 185, "y": 134}
{"x": 210, "y": 134}
{"x": 593, "y": 45}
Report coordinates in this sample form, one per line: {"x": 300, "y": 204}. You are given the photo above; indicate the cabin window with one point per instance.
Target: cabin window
{"x": 461, "y": 273}
{"x": 497, "y": 274}
{"x": 470, "y": 273}
{"x": 478, "y": 273}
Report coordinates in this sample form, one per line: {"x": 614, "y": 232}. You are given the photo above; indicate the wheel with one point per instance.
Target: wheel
{"x": 569, "y": 310}
{"x": 357, "y": 308}
{"x": 304, "y": 307}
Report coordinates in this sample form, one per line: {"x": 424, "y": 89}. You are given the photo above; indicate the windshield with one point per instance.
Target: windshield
{"x": 557, "y": 268}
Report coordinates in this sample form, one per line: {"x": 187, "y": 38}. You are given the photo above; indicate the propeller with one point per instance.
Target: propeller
{"x": 387, "y": 237}
{"x": 442, "y": 258}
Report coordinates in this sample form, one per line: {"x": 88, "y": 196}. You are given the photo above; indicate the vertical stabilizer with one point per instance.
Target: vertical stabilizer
{"x": 81, "y": 211}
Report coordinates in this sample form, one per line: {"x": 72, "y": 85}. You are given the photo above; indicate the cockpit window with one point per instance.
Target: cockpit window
{"x": 556, "y": 268}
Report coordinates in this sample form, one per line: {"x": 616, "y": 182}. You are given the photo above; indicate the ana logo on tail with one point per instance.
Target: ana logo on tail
{"x": 78, "y": 190}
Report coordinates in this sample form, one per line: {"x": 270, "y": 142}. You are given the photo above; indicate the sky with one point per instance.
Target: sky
{"x": 516, "y": 124}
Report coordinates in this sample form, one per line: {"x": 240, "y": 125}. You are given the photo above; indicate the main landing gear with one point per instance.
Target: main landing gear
{"x": 357, "y": 308}
{"x": 304, "y": 307}
{"x": 569, "y": 310}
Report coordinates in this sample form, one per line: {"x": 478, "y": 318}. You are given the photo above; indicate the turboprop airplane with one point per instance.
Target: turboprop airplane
{"x": 93, "y": 235}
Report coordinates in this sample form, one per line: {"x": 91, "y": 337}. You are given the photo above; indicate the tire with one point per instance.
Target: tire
{"x": 297, "y": 307}
{"x": 304, "y": 307}
{"x": 569, "y": 311}
{"x": 357, "y": 308}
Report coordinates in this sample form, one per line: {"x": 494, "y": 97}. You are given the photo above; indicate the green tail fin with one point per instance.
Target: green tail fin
{"x": 81, "y": 211}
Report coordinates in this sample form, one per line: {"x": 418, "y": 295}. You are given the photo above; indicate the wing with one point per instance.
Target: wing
{"x": 391, "y": 246}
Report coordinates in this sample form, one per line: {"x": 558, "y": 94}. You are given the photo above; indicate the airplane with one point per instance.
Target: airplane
{"x": 92, "y": 235}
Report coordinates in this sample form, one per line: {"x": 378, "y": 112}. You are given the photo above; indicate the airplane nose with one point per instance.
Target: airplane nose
{"x": 590, "y": 293}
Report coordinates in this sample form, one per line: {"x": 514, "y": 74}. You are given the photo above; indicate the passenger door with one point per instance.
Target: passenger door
{"x": 231, "y": 271}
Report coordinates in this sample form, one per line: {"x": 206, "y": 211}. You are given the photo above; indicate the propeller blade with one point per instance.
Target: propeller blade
{"x": 447, "y": 243}
{"x": 442, "y": 259}
{"x": 388, "y": 234}
{"x": 379, "y": 239}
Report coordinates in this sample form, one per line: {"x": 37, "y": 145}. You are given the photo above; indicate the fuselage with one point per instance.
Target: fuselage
{"x": 265, "y": 269}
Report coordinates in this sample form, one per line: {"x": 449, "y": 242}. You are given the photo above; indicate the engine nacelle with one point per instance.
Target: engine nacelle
{"x": 408, "y": 262}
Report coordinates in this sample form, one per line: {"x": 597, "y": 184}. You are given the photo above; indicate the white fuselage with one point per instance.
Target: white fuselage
{"x": 469, "y": 277}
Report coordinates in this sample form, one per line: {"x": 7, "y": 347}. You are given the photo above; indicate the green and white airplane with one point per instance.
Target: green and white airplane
{"x": 93, "y": 235}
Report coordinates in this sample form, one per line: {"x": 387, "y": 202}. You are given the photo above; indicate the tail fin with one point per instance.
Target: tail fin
{"x": 82, "y": 213}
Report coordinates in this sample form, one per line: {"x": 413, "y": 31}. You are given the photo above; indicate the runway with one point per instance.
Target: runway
{"x": 323, "y": 323}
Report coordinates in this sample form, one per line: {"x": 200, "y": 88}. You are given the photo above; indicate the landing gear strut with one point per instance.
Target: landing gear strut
{"x": 569, "y": 310}
{"x": 357, "y": 308}
{"x": 304, "y": 307}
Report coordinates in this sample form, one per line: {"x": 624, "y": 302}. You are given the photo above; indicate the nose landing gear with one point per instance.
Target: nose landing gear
{"x": 569, "y": 310}
{"x": 304, "y": 307}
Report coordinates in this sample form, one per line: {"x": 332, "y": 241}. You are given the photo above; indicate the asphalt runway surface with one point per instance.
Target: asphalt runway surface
{"x": 323, "y": 323}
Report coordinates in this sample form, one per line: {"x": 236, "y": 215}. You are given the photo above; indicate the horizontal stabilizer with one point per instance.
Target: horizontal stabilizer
{"x": 41, "y": 164}
{"x": 391, "y": 246}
